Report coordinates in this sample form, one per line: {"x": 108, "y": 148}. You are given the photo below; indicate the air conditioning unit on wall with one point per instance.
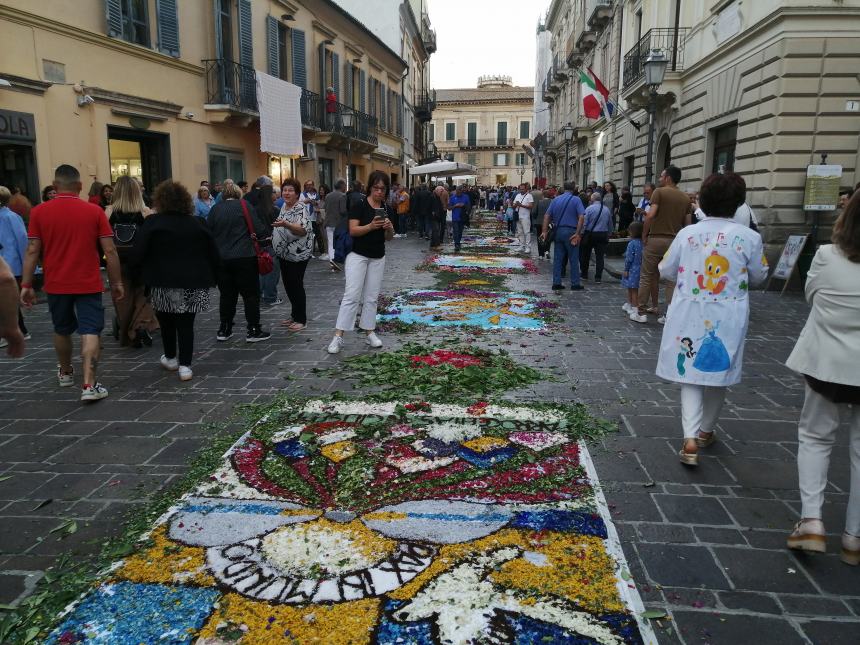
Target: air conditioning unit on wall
{"x": 310, "y": 151}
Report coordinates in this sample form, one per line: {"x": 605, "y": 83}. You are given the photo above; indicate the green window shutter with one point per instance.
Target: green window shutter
{"x": 524, "y": 130}
{"x": 335, "y": 76}
{"x": 371, "y": 87}
{"x": 274, "y": 62}
{"x": 501, "y": 132}
{"x": 383, "y": 107}
{"x": 168, "y": 27}
{"x": 300, "y": 73}
{"x": 362, "y": 88}
{"x": 399, "y": 115}
{"x": 113, "y": 12}
{"x": 246, "y": 42}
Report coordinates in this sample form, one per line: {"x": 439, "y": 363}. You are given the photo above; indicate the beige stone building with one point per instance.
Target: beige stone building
{"x": 758, "y": 87}
{"x": 487, "y": 127}
{"x": 162, "y": 88}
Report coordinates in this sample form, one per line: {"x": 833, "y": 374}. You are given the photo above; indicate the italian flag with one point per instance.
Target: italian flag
{"x": 595, "y": 96}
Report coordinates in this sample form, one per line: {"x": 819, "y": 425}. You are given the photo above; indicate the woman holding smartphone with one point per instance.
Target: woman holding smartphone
{"x": 370, "y": 227}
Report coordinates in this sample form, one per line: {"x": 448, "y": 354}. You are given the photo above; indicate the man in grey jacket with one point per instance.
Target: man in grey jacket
{"x": 335, "y": 214}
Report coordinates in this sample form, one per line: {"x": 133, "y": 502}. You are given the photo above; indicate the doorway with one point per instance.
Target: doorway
{"x": 18, "y": 169}
{"x": 139, "y": 154}
{"x": 326, "y": 171}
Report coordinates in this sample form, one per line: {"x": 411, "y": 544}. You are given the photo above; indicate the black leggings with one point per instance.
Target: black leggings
{"x": 240, "y": 276}
{"x": 175, "y": 326}
{"x": 293, "y": 275}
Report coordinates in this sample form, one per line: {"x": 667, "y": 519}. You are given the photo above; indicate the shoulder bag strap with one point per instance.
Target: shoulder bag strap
{"x": 250, "y": 226}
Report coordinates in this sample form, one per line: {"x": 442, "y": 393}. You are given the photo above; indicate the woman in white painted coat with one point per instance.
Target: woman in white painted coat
{"x": 713, "y": 263}
{"x": 827, "y": 353}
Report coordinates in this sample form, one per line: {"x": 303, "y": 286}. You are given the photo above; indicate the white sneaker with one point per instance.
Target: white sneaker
{"x": 185, "y": 373}
{"x": 626, "y": 308}
{"x": 94, "y": 392}
{"x": 635, "y": 316}
{"x": 373, "y": 340}
{"x": 65, "y": 380}
{"x": 335, "y": 345}
{"x": 662, "y": 320}
{"x": 170, "y": 364}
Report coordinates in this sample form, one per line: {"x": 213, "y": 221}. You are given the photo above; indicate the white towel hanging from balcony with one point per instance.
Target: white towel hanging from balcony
{"x": 280, "y": 116}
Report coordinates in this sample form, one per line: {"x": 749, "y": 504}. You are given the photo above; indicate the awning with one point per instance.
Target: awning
{"x": 444, "y": 169}
{"x": 280, "y": 116}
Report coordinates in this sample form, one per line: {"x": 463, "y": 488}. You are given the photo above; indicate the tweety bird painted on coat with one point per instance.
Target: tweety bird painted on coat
{"x": 715, "y": 277}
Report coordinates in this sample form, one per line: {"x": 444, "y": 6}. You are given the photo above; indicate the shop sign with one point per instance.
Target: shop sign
{"x": 17, "y": 125}
{"x": 822, "y": 187}
{"x": 385, "y": 149}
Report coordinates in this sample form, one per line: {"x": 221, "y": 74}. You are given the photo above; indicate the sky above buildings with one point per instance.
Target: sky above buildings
{"x": 478, "y": 37}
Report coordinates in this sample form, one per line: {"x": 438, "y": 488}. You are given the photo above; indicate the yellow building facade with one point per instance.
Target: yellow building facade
{"x": 162, "y": 88}
{"x": 487, "y": 127}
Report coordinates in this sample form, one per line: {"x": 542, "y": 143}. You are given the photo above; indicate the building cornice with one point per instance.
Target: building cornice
{"x": 97, "y": 39}
{"x": 138, "y": 106}
{"x": 325, "y": 31}
{"x": 528, "y": 101}
{"x": 25, "y": 85}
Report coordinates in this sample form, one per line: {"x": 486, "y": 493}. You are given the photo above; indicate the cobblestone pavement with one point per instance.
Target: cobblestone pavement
{"x": 706, "y": 545}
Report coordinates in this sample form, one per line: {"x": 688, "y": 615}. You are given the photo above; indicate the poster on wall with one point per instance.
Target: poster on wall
{"x": 822, "y": 187}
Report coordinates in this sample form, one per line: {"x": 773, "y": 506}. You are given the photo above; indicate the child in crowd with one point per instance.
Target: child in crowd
{"x": 632, "y": 267}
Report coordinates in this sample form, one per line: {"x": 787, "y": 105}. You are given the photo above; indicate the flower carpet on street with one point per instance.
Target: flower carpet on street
{"x": 490, "y": 245}
{"x": 350, "y": 521}
{"x": 480, "y": 282}
{"x": 479, "y": 263}
{"x": 468, "y": 308}
{"x": 454, "y": 370}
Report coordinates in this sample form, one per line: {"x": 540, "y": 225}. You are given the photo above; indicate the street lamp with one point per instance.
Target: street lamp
{"x": 346, "y": 121}
{"x": 567, "y": 131}
{"x": 655, "y": 71}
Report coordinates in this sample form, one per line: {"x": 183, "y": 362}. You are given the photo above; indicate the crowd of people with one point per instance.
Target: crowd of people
{"x": 162, "y": 256}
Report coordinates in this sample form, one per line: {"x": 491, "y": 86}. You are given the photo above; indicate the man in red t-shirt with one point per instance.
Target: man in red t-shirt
{"x": 69, "y": 234}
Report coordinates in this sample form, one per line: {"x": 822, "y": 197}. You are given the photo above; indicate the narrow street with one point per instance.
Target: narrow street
{"x": 705, "y": 546}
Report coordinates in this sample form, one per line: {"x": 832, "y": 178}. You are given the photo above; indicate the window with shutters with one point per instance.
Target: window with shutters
{"x": 356, "y": 88}
{"x": 524, "y": 130}
{"x": 501, "y": 159}
{"x": 431, "y": 132}
{"x": 472, "y": 159}
{"x": 224, "y": 21}
{"x": 501, "y": 133}
{"x": 450, "y": 131}
{"x": 133, "y": 18}
{"x": 521, "y": 159}
{"x": 283, "y": 52}
{"x": 472, "y": 134}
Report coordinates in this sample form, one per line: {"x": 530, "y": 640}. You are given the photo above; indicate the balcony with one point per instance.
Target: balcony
{"x": 599, "y": 15}
{"x": 428, "y": 35}
{"x": 573, "y": 57}
{"x": 559, "y": 72}
{"x": 553, "y": 85}
{"x": 671, "y": 42}
{"x": 586, "y": 40}
{"x": 546, "y": 95}
{"x": 361, "y": 136}
{"x": 231, "y": 89}
{"x": 310, "y": 106}
{"x": 425, "y": 105}
{"x": 485, "y": 144}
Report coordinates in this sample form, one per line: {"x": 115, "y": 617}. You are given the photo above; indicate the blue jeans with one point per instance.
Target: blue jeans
{"x": 458, "y": 233}
{"x": 269, "y": 282}
{"x": 565, "y": 251}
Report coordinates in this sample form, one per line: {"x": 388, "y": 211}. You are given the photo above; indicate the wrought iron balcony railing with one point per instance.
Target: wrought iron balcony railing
{"x": 425, "y": 105}
{"x": 311, "y": 105}
{"x": 363, "y": 126}
{"x": 670, "y": 41}
{"x": 472, "y": 144}
{"x": 231, "y": 84}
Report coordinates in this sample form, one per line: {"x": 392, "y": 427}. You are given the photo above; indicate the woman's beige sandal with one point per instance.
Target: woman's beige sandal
{"x": 808, "y": 535}
{"x": 688, "y": 458}
{"x": 705, "y": 439}
{"x": 850, "y": 549}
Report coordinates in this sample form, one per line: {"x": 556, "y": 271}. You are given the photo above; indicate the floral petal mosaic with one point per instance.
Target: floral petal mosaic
{"x": 468, "y": 308}
{"x": 438, "y": 524}
{"x": 480, "y": 263}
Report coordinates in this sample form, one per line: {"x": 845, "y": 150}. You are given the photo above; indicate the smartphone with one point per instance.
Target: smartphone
{"x": 380, "y": 212}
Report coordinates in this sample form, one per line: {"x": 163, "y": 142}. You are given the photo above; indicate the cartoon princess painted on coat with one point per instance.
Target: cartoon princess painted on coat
{"x": 712, "y": 355}
{"x": 685, "y": 352}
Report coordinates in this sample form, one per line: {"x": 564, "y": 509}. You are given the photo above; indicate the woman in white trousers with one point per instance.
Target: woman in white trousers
{"x": 370, "y": 227}
{"x": 713, "y": 265}
{"x": 827, "y": 353}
